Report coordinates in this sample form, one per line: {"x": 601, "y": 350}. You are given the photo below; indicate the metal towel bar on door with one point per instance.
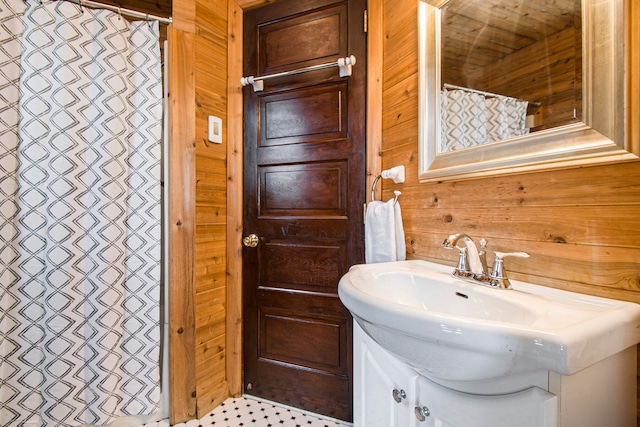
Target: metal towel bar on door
{"x": 344, "y": 64}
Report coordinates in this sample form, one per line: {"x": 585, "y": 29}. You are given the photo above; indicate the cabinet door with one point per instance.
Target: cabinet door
{"x": 533, "y": 407}
{"x": 376, "y": 375}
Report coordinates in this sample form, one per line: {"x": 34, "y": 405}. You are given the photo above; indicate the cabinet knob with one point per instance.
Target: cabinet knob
{"x": 398, "y": 395}
{"x": 421, "y": 413}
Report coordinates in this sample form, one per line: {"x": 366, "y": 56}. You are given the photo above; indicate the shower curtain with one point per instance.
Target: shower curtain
{"x": 463, "y": 120}
{"x": 80, "y": 129}
{"x": 468, "y": 119}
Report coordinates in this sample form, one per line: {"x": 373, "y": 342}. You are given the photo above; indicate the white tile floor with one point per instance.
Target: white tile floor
{"x": 249, "y": 411}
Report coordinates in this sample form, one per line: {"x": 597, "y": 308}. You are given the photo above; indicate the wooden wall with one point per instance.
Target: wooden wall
{"x": 581, "y": 226}
{"x": 197, "y": 208}
{"x": 181, "y": 217}
{"x": 210, "y": 205}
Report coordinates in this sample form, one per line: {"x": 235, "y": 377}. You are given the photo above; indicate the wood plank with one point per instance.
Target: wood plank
{"x": 184, "y": 15}
{"x": 211, "y": 213}
{"x": 234, "y": 202}
{"x": 181, "y": 225}
{"x": 207, "y": 300}
{"x": 214, "y": 392}
{"x": 215, "y": 327}
{"x": 402, "y": 133}
{"x": 210, "y": 278}
{"x": 210, "y": 185}
{"x": 530, "y": 19}
{"x": 375, "y": 48}
{"x": 212, "y": 349}
{"x": 406, "y": 110}
{"x": 598, "y": 227}
{"x": 407, "y": 91}
{"x": 212, "y": 15}
{"x": 614, "y": 185}
{"x": 633, "y": 77}
{"x": 400, "y": 26}
{"x": 212, "y": 398}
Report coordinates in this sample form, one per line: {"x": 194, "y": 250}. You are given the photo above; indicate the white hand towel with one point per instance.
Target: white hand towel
{"x": 383, "y": 232}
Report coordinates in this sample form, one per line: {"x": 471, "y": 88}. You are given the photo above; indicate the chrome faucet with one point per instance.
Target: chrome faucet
{"x": 470, "y": 260}
{"x": 472, "y": 264}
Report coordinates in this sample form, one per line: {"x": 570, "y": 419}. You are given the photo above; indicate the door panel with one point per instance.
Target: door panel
{"x": 303, "y": 40}
{"x": 312, "y": 188}
{"x": 303, "y": 267}
{"x": 279, "y": 340}
{"x": 304, "y": 195}
{"x": 285, "y": 122}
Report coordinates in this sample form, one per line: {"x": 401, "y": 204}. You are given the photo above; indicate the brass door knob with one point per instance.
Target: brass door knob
{"x": 251, "y": 241}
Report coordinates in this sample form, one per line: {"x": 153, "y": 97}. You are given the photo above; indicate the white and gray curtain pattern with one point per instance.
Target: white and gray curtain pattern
{"x": 469, "y": 119}
{"x": 80, "y": 129}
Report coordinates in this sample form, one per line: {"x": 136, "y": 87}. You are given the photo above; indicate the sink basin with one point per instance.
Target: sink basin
{"x": 454, "y": 331}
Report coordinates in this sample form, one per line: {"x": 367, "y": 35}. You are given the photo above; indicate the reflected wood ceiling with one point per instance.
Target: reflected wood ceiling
{"x": 477, "y": 33}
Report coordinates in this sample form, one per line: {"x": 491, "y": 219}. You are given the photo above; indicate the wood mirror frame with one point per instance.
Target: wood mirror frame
{"x": 599, "y": 138}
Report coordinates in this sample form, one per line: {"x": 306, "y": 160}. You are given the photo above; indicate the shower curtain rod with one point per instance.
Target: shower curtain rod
{"x": 122, "y": 11}
{"x": 479, "y": 92}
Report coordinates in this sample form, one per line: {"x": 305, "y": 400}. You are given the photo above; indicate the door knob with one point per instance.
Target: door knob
{"x": 251, "y": 241}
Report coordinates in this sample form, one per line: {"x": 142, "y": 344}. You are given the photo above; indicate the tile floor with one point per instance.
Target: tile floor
{"x": 249, "y": 411}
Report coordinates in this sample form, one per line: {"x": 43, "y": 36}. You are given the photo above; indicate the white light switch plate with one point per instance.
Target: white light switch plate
{"x": 215, "y": 129}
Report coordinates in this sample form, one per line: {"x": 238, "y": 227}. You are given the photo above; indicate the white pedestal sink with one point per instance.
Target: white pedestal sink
{"x": 482, "y": 340}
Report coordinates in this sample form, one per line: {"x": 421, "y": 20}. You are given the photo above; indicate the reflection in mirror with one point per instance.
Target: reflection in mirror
{"x": 580, "y": 121}
{"x": 508, "y": 68}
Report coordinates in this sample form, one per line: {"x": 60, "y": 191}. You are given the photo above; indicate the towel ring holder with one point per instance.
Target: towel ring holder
{"x": 373, "y": 187}
{"x": 396, "y": 173}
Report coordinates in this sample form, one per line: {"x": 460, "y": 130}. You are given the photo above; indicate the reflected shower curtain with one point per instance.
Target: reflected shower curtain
{"x": 506, "y": 118}
{"x": 468, "y": 119}
{"x": 463, "y": 120}
{"x": 79, "y": 215}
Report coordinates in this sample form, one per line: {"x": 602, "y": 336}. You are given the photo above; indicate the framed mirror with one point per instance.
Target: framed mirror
{"x": 487, "y": 60}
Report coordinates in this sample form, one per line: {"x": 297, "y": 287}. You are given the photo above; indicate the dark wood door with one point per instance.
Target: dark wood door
{"x": 304, "y": 180}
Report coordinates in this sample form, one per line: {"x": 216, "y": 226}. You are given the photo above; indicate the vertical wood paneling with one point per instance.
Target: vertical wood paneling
{"x": 210, "y": 205}
{"x": 184, "y": 15}
{"x": 375, "y": 14}
{"x": 181, "y": 224}
{"x": 633, "y": 76}
{"x": 234, "y": 202}
{"x": 580, "y": 225}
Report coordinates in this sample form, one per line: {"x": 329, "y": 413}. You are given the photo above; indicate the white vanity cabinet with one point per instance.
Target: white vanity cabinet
{"x": 384, "y": 388}
{"x": 380, "y": 378}
{"x": 388, "y": 393}
{"x": 473, "y": 356}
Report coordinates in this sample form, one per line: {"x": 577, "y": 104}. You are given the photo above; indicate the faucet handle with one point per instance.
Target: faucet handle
{"x": 513, "y": 254}
{"x": 482, "y": 254}
{"x": 498, "y": 275}
{"x": 463, "y": 262}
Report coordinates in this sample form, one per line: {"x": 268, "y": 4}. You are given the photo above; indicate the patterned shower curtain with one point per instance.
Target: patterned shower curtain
{"x": 80, "y": 129}
{"x": 463, "y": 120}
{"x": 469, "y": 119}
{"x": 506, "y": 118}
